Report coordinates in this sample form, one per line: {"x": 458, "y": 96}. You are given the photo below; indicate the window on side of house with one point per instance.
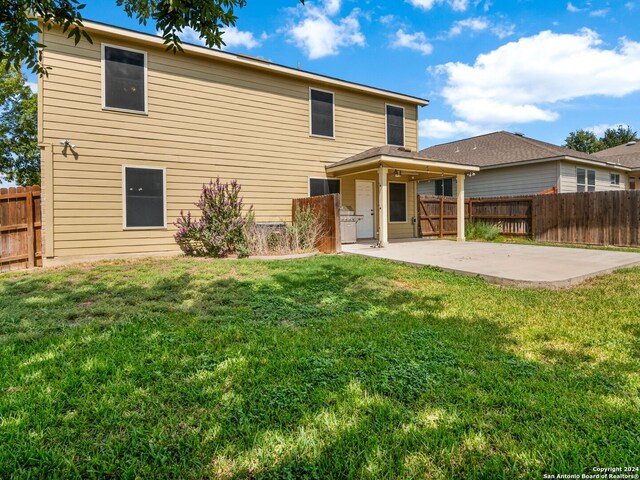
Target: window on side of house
{"x": 322, "y": 113}
{"x": 323, "y": 186}
{"x": 144, "y": 197}
{"x": 124, "y": 79}
{"x": 586, "y": 180}
{"x": 395, "y": 125}
{"x": 397, "y": 202}
{"x": 632, "y": 183}
{"x": 444, "y": 187}
{"x": 614, "y": 179}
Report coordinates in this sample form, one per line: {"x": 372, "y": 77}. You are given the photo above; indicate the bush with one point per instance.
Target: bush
{"x": 300, "y": 236}
{"x": 220, "y": 230}
{"x": 482, "y": 231}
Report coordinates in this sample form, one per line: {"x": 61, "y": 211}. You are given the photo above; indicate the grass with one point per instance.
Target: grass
{"x": 328, "y": 367}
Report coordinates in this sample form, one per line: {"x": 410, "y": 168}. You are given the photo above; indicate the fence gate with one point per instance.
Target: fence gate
{"x": 20, "y": 228}
{"x": 438, "y": 215}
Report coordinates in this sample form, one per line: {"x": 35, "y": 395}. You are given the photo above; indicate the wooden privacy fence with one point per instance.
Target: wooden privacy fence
{"x": 593, "y": 218}
{"x": 438, "y": 215}
{"x": 20, "y": 228}
{"x": 327, "y": 211}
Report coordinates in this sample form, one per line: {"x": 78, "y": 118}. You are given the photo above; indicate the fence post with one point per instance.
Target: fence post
{"x": 31, "y": 240}
{"x": 441, "y": 217}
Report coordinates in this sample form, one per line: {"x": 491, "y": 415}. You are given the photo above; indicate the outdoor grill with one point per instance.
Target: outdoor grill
{"x": 348, "y": 221}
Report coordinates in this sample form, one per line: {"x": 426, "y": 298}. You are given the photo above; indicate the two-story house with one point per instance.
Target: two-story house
{"x": 130, "y": 132}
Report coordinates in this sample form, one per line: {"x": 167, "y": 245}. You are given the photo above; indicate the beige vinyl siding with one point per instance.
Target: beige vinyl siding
{"x": 569, "y": 180}
{"x": 205, "y": 119}
{"x": 507, "y": 181}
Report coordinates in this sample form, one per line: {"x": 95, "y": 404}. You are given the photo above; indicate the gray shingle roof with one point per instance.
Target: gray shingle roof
{"x": 627, "y": 155}
{"x": 377, "y": 151}
{"x": 500, "y": 148}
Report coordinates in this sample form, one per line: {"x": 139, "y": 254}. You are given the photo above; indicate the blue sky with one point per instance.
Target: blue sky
{"x": 539, "y": 67}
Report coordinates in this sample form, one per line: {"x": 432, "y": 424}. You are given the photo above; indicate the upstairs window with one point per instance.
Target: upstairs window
{"x": 397, "y": 202}
{"x": 322, "y": 113}
{"x": 586, "y": 180}
{"x": 615, "y": 179}
{"x": 323, "y": 186}
{"x": 395, "y": 125}
{"x": 444, "y": 187}
{"x": 124, "y": 79}
{"x": 144, "y": 197}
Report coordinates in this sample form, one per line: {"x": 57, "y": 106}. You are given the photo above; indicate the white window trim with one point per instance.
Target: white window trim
{"x": 321, "y": 178}
{"x": 611, "y": 182}
{"x": 586, "y": 179}
{"x": 333, "y": 96}
{"x": 124, "y": 197}
{"x": 104, "y": 81}
{"x": 406, "y": 202}
{"x": 386, "y": 125}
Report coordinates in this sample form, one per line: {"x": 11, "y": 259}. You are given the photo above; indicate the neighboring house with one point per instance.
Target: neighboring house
{"x": 627, "y": 155}
{"x": 512, "y": 164}
{"x": 130, "y": 132}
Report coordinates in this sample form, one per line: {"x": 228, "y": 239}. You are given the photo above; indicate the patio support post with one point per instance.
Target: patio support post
{"x": 460, "y": 207}
{"x": 383, "y": 207}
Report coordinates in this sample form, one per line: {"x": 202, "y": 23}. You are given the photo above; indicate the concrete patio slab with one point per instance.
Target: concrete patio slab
{"x": 505, "y": 264}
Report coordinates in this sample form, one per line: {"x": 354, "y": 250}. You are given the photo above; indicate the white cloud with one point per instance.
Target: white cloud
{"x": 573, "y": 9}
{"x": 320, "y": 36}
{"x": 232, "y": 37}
{"x": 457, "y": 5}
{"x": 476, "y": 24}
{"x": 414, "y": 41}
{"x": 332, "y": 7}
{"x": 598, "y": 130}
{"x": 33, "y": 86}
{"x": 599, "y": 13}
{"x": 504, "y": 30}
{"x": 630, "y": 5}
{"x": 386, "y": 19}
{"x": 480, "y": 24}
{"x": 441, "y": 129}
{"x": 506, "y": 86}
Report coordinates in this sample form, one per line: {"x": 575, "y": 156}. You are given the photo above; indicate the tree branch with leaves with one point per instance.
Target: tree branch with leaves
{"x": 19, "y": 28}
{"x": 19, "y": 152}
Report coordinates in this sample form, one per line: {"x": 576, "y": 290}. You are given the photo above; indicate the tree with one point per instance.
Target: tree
{"x": 18, "y": 27}
{"x": 583, "y": 141}
{"x": 620, "y": 135}
{"x": 19, "y": 153}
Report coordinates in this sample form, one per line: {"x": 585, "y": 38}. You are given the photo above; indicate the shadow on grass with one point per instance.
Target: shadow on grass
{"x": 320, "y": 368}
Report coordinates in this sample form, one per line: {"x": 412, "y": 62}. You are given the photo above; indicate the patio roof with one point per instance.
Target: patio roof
{"x": 397, "y": 158}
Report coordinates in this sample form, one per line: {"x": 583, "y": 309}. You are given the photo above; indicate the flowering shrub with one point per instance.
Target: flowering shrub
{"x": 220, "y": 229}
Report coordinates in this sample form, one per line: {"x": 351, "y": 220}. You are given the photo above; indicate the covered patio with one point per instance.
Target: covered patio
{"x": 381, "y": 185}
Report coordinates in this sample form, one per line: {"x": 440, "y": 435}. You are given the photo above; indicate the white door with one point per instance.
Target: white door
{"x": 364, "y": 207}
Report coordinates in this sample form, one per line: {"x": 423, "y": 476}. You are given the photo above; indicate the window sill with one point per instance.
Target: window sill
{"x": 124, "y": 229}
{"x": 322, "y": 136}
{"x": 123, "y": 110}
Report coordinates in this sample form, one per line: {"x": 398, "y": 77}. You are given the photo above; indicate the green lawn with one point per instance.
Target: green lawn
{"x": 328, "y": 367}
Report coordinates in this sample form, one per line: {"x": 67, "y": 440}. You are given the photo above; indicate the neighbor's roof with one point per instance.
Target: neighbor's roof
{"x": 251, "y": 62}
{"x": 627, "y": 154}
{"x": 501, "y": 149}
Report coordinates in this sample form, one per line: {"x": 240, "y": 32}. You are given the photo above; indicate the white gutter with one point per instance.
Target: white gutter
{"x": 555, "y": 159}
